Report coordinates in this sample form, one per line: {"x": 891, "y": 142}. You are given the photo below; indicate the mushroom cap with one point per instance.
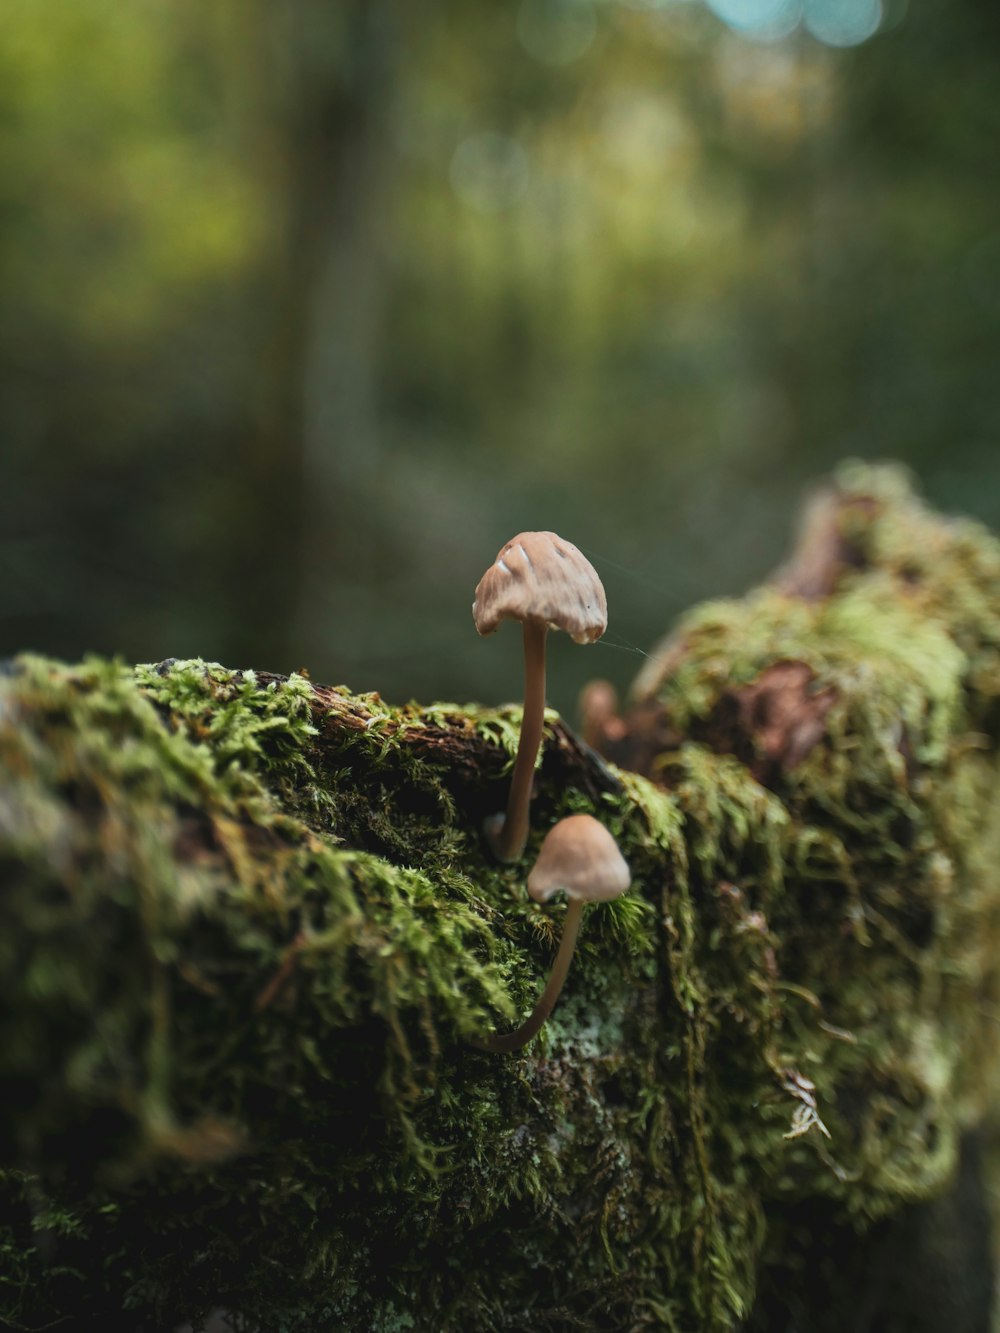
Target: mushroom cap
{"x": 539, "y": 576}
{"x": 580, "y": 856}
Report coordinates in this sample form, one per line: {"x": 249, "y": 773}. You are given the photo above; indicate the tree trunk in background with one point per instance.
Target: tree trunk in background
{"x": 331, "y": 74}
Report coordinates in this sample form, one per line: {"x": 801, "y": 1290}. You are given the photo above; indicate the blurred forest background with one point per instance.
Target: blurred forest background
{"x": 308, "y": 305}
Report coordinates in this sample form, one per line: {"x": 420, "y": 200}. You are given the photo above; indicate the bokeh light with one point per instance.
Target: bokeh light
{"x": 843, "y": 22}
{"x": 556, "y": 32}
{"x": 489, "y": 171}
{"x": 764, "y": 19}
{"x": 838, "y": 23}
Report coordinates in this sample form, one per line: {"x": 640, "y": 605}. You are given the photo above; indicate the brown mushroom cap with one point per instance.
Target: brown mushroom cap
{"x": 538, "y": 576}
{"x": 581, "y": 857}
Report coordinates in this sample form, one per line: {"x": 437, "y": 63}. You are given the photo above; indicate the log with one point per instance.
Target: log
{"x": 251, "y": 934}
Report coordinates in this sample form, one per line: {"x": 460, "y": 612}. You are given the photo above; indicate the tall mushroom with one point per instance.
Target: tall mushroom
{"x": 580, "y": 856}
{"x": 545, "y": 583}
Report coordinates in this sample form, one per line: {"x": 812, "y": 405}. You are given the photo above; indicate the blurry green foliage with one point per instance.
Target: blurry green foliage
{"x": 309, "y": 307}
{"x": 121, "y": 161}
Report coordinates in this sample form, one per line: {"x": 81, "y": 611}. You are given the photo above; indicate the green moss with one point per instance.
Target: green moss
{"x": 250, "y": 932}
{"x": 886, "y": 919}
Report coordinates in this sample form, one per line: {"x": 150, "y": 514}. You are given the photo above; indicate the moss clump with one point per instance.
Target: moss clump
{"x": 885, "y": 923}
{"x": 249, "y": 927}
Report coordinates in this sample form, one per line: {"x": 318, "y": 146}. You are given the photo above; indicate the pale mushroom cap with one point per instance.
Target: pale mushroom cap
{"x": 539, "y": 576}
{"x": 581, "y": 857}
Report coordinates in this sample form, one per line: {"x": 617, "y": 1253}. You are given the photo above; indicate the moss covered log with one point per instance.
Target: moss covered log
{"x": 250, "y": 933}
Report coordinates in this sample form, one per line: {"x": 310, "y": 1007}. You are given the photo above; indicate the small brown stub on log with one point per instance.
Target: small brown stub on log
{"x": 783, "y": 716}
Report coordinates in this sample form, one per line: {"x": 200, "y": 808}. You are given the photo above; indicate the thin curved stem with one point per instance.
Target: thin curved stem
{"x": 513, "y": 1041}
{"x": 508, "y": 843}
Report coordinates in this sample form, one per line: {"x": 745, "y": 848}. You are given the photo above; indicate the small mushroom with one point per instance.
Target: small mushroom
{"x": 545, "y": 583}
{"x": 581, "y": 857}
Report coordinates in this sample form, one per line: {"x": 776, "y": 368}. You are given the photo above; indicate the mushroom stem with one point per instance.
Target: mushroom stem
{"x": 508, "y": 842}
{"x": 513, "y": 1041}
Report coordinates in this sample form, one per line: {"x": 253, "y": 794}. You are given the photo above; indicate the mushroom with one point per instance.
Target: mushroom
{"x": 581, "y": 857}
{"x": 545, "y": 583}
